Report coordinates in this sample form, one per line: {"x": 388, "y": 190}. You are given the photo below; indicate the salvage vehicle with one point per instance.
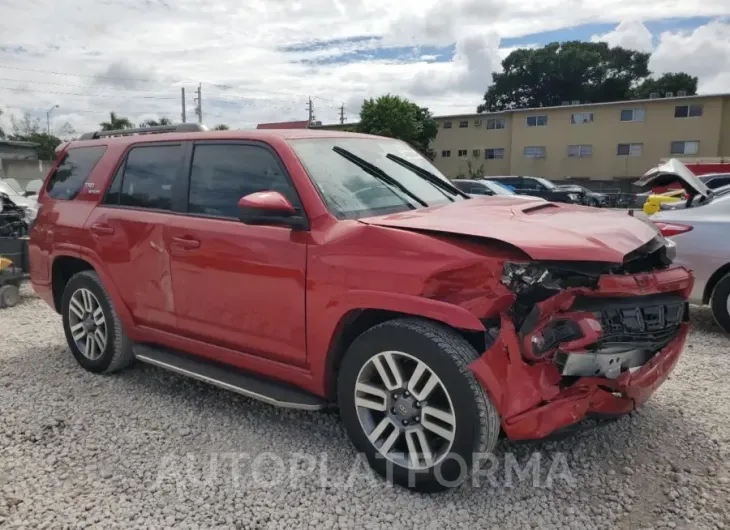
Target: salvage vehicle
{"x": 699, "y": 230}
{"x": 539, "y": 187}
{"x": 488, "y": 188}
{"x": 16, "y": 212}
{"x": 310, "y": 268}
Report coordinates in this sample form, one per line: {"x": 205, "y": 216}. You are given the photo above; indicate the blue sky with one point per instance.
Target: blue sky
{"x": 370, "y": 48}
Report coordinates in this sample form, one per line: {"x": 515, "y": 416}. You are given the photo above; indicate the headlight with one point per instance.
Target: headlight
{"x": 521, "y": 276}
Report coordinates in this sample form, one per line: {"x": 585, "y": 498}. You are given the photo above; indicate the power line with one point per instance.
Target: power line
{"x": 84, "y": 95}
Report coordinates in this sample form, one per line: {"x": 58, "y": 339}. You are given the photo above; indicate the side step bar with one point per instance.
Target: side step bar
{"x": 229, "y": 378}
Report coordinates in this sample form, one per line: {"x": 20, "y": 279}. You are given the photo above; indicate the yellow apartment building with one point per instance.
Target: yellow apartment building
{"x": 599, "y": 141}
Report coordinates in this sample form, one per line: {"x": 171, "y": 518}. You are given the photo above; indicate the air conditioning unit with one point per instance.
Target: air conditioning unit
{"x": 669, "y": 95}
{"x": 476, "y": 153}
{"x": 565, "y": 103}
{"x": 654, "y": 95}
{"x": 681, "y": 93}
{"x": 477, "y": 123}
{"x": 575, "y": 102}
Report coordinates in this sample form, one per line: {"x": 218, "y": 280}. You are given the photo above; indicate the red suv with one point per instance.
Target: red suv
{"x": 306, "y": 268}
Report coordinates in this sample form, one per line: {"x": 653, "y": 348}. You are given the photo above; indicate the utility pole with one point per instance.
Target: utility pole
{"x": 48, "y": 119}
{"x": 199, "y": 101}
{"x": 310, "y": 110}
{"x": 184, "y": 116}
{"x": 342, "y": 114}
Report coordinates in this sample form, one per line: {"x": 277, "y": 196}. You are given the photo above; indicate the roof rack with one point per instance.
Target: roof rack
{"x": 158, "y": 129}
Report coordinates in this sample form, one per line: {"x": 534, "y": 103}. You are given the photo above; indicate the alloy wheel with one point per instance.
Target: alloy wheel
{"x": 405, "y": 410}
{"x": 87, "y": 323}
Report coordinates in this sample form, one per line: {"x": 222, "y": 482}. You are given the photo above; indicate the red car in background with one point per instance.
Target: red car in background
{"x": 307, "y": 268}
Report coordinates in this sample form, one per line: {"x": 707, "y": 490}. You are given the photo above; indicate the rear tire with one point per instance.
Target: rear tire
{"x": 720, "y": 303}
{"x": 425, "y": 439}
{"x": 9, "y": 295}
{"x": 93, "y": 329}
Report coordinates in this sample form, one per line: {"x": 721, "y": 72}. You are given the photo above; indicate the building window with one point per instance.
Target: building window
{"x": 633, "y": 114}
{"x": 445, "y": 154}
{"x": 463, "y": 124}
{"x": 537, "y": 121}
{"x": 688, "y": 111}
{"x": 447, "y": 125}
{"x": 494, "y": 154}
{"x": 462, "y": 153}
{"x": 477, "y": 123}
{"x": 580, "y": 151}
{"x": 629, "y": 149}
{"x": 685, "y": 147}
{"x": 535, "y": 151}
{"x": 581, "y": 117}
{"x": 496, "y": 123}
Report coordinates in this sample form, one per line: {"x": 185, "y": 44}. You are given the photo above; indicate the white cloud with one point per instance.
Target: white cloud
{"x": 630, "y": 34}
{"x": 234, "y": 47}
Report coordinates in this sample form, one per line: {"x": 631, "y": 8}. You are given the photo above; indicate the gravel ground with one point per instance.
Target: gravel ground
{"x": 148, "y": 449}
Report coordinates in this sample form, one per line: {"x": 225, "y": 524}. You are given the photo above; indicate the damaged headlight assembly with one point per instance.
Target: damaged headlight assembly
{"x": 520, "y": 277}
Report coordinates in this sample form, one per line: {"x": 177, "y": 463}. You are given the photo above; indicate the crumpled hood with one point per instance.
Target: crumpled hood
{"x": 544, "y": 231}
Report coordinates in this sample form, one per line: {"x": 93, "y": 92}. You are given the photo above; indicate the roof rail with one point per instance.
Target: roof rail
{"x": 158, "y": 129}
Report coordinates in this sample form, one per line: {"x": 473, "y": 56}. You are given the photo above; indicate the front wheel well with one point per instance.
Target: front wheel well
{"x": 63, "y": 269}
{"x": 712, "y": 282}
{"x": 358, "y": 321}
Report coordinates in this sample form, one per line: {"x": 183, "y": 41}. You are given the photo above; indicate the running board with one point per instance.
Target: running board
{"x": 229, "y": 378}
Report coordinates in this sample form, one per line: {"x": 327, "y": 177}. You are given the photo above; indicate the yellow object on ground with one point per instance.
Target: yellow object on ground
{"x": 651, "y": 206}
{"x": 5, "y": 263}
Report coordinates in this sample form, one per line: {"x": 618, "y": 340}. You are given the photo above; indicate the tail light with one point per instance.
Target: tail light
{"x": 672, "y": 229}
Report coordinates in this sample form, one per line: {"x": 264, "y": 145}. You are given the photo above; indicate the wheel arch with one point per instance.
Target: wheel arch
{"x": 63, "y": 268}
{"x": 713, "y": 281}
{"x": 358, "y": 320}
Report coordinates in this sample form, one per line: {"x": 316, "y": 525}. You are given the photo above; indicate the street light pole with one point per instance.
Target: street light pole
{"x": 48, "y": 119}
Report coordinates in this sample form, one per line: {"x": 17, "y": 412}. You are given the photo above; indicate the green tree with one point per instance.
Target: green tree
{"x": 115, "y": 123}
{"x": 221, "y": 127}
{"x": 557, "y": 72}
{"x": 397, "y": 117}
{"x": 156, "y": 123}
{"x": 666, "y": 83}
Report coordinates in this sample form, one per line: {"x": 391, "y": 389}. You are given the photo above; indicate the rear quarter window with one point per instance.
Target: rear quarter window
{"x": 73, "y": 171}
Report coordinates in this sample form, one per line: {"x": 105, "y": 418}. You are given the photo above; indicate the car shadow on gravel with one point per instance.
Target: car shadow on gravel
{"x": 703, "y": 321}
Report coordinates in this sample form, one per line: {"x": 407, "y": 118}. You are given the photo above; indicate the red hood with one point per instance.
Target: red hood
{"x": 544, "y": 231}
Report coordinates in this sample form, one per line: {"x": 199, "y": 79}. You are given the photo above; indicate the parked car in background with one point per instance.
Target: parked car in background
{"x": 539, "y": 187}
{"x": 488, "y": 188}
{"x": 588, "y": 197}
{"x": 696, "y": 200}
{"x": 306, "y": 268}
{"x": 17, "y": 211}
{"x": 653, "y": 202}
{"x": 715, "y": 180}
{"x": 700, "y": 232}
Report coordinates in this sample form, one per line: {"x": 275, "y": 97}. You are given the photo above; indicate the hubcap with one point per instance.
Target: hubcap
{"x": 88, "y": 324}
{"x": 405, "y": 410}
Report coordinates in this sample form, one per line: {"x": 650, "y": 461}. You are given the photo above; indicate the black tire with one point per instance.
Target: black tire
{"x": 117, "y": 354}
{"x": 448, "y": 355}
{"x": 9, "y": 295}
{"x": 719, "y": 303}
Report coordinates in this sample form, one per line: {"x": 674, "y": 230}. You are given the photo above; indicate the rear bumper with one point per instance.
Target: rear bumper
{"x": 533, "y": 398}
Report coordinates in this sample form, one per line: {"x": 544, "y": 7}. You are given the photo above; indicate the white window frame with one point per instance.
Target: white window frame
{"x": 580, "y": 151}
{"x": 684, "y": 143}
{"x": 534, "y": 151}
{"x": 640, "y": 110}
{"x": 578, "y": 118}
{"x": 635, "y": 149}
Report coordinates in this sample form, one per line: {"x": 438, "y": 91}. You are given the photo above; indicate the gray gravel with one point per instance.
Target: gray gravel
{"x": 139, "y": 450}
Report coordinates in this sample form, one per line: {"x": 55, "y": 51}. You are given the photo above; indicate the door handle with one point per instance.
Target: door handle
{"x": 102, "y": 229}
{"x": 186, "y": 242}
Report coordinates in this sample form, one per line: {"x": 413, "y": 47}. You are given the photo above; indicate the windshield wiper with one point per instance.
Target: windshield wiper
{"x": 428, "y": 176}
{"x": 379, "y": 174}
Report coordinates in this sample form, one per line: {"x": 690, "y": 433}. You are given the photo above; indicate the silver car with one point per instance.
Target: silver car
{"x": 699, "y": 230}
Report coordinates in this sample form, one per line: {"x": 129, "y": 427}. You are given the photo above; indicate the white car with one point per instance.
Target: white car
{"x": 481, "y": 188}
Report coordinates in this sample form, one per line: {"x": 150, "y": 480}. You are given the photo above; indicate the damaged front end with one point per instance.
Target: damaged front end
{"x": 584, "y": 338}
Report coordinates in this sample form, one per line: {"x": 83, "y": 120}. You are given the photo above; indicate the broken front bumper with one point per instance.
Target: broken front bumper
{"x": 532, "y": 393}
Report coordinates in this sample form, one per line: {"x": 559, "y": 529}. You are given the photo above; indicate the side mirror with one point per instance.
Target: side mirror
{"x": 269, "y": 208}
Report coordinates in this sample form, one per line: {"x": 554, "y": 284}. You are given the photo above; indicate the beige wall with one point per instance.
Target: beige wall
{"x": 604, "y": 133}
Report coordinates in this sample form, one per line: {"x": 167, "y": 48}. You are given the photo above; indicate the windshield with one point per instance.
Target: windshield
{"x": 545, "y": 182}
{"x": 350, "y": 191}
{"x": 498, "y": 189}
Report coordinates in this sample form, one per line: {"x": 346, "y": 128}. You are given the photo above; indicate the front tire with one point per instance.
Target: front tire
{"x": 410, "y": 403}
{"x": 720, "y": 303}
{"x": 92, "y": 327}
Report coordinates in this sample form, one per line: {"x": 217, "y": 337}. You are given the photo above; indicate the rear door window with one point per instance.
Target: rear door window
{"x": 147, "y": 177}
{"x": 73, "y": 171}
